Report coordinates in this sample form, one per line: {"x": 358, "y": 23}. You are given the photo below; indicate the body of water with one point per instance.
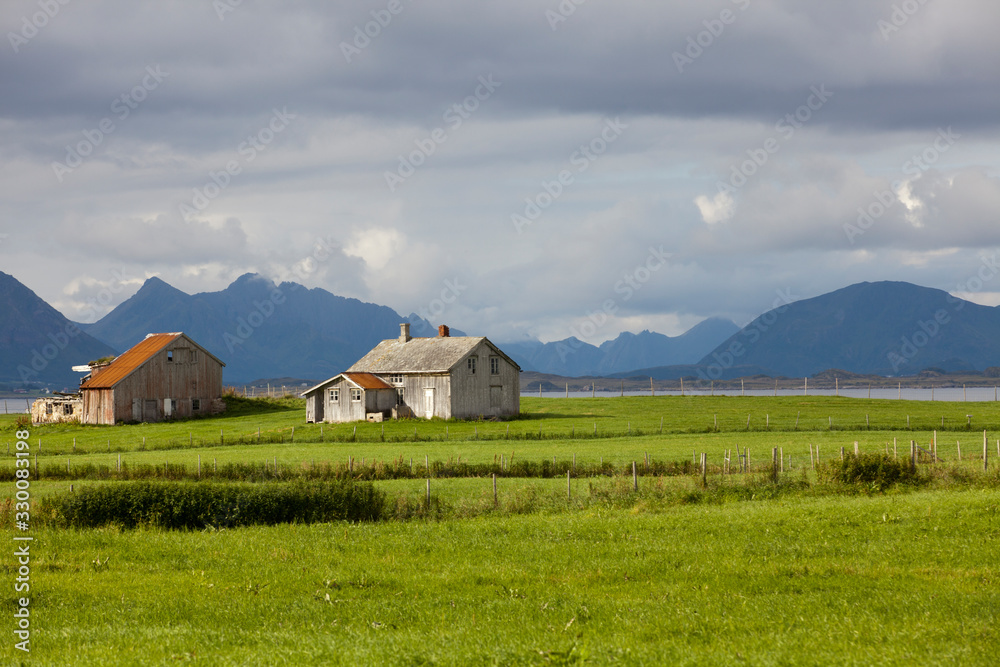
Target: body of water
{"x": 917, "y": 394}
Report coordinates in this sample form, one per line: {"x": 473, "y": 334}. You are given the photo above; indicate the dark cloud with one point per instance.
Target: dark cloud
{"x": 701, "y": 87}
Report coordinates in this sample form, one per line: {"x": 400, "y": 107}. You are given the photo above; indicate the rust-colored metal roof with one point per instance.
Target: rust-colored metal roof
{"x": 368, "y": 381}
{"x": 123, "y": 366}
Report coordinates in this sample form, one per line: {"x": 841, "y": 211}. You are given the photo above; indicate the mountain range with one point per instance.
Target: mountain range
{"x": 880, "y": 328}
{"x": 265, "y": 330}
{"x": 575, "y": 358}
{"x": 37, "y": 343}
{"x": 258, "y": 328}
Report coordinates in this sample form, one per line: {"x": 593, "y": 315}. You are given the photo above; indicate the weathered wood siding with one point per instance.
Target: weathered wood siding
{"x": 415, "y": 388}
{"x": 99, "y": 407}
{"x": 484, "y": 394}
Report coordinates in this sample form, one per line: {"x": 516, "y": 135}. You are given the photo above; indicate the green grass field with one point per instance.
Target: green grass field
{"x": 745, "y": 571}
{"x": 895, "y": 580}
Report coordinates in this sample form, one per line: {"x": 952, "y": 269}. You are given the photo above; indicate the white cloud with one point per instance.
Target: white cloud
{"x": 717, "y": 209}
{"x": 377, "y": 247}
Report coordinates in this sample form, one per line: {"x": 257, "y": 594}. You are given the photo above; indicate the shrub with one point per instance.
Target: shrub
{"x": 876, "y": 472}
{"x": 186, "y": 505}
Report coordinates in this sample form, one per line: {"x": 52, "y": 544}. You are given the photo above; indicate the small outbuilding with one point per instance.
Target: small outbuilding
{"x": 464, "y": 377}
{"x": 57, "y": 409}
{"x": 166, "y": 375}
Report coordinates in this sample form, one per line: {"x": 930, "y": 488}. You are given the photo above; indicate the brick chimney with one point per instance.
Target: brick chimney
{"x": 404, "y": 332}
{"x": 443, "y": 331}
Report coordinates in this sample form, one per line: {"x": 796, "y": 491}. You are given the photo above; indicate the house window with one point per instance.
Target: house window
{"x": 194, "y": 356}
{"x": 472, "y": 365}
{"x": 195, "y": 404}
{"x": 396, "y": 380}
{"x": 335, "y": 395}
{"x": 494, "y": 365}
{"x": 48, "y": 408}
{"x": 67, "y": 409}
{"x": 399, "y": 394}
{"x": 170, "y": 355}
{"x": 355, "y": 396}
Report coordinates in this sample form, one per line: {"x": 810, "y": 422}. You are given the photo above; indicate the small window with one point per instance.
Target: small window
{"x": 195, "y": 404}
{"x": 396, "y": 380}
{"x": 194, "y": 356}
{"x": 399, "y": 394}
{"x": 472, "y": 365}
{"x": 494, "y": 365}
{"x": 170, "y": 355}
{"x": 335, "y": 395}
{"x": 48, "y": 408}
{"x": 67, "y": 409}
{"x": 355, "y": 396}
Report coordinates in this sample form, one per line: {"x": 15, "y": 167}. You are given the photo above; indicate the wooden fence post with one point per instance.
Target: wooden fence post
{"x": 704, "y": 470}
{"x": 494, "y": 489}
{"x": 635, "y": 477}
{"x": 986, "y": 453}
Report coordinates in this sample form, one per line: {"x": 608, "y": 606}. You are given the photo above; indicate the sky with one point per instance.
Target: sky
{"x": 518, "y": 168}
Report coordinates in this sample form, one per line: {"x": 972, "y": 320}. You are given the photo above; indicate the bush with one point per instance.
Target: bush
{"x": 186, "y": 505}
{"x": 876, "y": 472}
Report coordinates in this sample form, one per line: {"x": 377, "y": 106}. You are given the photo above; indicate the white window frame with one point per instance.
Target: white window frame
{"x": 335, "y": 395}
{"x": 355, "y": 395}
{"x": 471, "y": 363}
{"x": 494, "y": 365}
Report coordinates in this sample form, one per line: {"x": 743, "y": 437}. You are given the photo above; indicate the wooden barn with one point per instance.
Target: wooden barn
{"x": 464, "y": 377}
{"x": 166, "y": 375}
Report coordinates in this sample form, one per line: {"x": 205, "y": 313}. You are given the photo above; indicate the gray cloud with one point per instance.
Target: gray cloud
{"x": 896, "y": 80}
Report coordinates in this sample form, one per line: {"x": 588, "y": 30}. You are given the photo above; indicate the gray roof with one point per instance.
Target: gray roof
{"x": 421, "y": 355}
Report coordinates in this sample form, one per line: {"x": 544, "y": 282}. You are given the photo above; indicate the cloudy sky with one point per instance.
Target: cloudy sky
{"x": 510, "y": 168}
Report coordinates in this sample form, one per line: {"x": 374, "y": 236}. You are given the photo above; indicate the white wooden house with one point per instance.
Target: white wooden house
{"x": 464, "y": 377}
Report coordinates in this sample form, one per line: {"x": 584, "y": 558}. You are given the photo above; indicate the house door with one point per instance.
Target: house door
{"x": 496, "y": 398}
{"x": 429, "y": 402}
{"x": 137, "y": 409}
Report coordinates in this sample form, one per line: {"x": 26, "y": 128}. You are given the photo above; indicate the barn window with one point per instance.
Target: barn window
{"x": 494, "y": 365}
{"x": 48, "y": 408}
{"x": 194, "y": 356}
{"x": 170, "y": 355}
{"x": 396, "y": 379}
{"x": 195, "y": 404}
{"x": 399, "y": 394}
{"x": 355, "y": 395}
{"x": 67, "y": 409}
{"x": 472, "y": 365}
{"x": 335, "y": 395}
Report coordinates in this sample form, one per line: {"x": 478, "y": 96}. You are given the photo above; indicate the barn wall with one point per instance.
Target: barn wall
{"x": 98, "y": 407}
{"x": 471, "y": 393}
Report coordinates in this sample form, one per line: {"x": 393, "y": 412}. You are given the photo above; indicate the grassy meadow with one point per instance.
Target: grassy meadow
{"x": 742, "y": 569}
